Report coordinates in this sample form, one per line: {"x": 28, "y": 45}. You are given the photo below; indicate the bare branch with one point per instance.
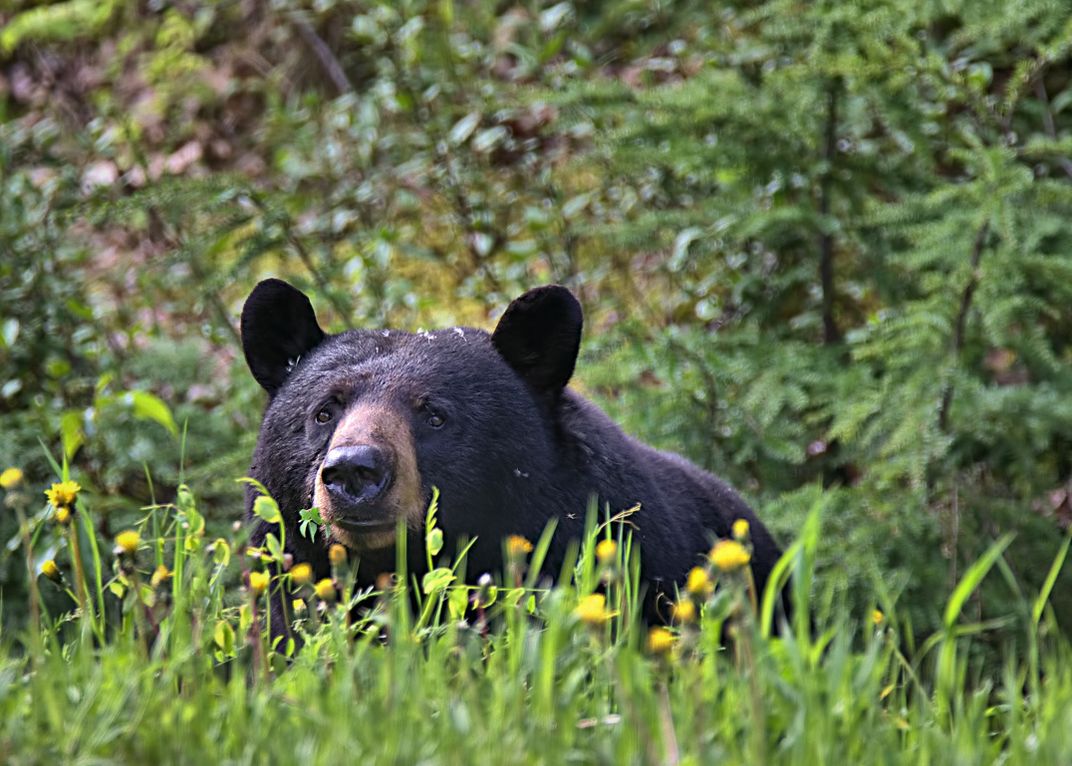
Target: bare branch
{"x": 962, "y": 320}
{"x": 831, "y": 334}
{"x": 328, "y": 60}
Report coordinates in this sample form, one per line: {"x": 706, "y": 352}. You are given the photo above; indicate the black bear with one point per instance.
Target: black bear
{"x": 363, "y": 424}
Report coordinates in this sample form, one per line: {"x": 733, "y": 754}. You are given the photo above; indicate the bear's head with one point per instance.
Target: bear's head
{"x": 364, "y": 423}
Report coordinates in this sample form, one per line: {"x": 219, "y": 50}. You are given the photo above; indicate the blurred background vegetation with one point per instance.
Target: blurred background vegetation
{"x": 825, "y": 249}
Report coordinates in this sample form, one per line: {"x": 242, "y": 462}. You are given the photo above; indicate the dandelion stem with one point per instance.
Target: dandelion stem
{"x": 79, "y": 572}
{"x": 35, "y": 594}
{"x": 666, "y": 719}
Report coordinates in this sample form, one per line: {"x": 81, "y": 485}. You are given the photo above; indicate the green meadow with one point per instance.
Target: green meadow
{"x": 160, "y": 653}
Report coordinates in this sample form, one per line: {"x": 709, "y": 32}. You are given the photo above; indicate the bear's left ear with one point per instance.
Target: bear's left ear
{"x": 278, "y": 328}
{"x": 540, "y": 335}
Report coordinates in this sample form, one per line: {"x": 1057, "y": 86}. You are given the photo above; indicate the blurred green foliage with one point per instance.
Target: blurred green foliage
{"x": 823, "y": 248}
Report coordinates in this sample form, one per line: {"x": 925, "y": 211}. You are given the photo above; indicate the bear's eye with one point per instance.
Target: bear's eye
{"x": 434, "y": 419}
{"x": 323, "y": 416}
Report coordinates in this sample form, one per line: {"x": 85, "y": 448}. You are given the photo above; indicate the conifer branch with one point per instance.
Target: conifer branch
{"x": 1048, "y": 123}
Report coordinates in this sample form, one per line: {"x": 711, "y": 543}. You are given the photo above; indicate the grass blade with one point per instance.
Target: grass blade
{"x": 975, "y": 574}
{"x": 1051, "y": 580}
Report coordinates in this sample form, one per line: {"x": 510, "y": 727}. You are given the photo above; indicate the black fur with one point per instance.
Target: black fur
{"x": 517, "y": 448}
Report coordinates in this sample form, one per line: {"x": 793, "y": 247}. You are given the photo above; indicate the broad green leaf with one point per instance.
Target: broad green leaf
{"x": 72, "y": 434}
{"x": 221, "y": 552}
{"x": 434, "y": 541}
{"x": 266, "y": 508}
{"x": 458, "y": 602}
{"x": 275, "y": 549}
{"x": 436, "y": 580}
{"x": 224, "y": 637}
{"x": 151, "y": 407}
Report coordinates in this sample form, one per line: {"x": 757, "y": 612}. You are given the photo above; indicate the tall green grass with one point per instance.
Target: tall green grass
{"x": 162, "y": 654}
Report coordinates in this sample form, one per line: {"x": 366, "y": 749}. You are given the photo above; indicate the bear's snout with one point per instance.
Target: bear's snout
{"x": 356, "y": 475}
{"x": 368, "y": 481}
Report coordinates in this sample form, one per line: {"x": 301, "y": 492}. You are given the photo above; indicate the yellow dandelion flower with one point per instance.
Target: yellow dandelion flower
{"x": 10, "y": 478}
{"x": 698, "y": 583}
{"x": 337, "y": 555}
{"x": 740, "y": 529}
{"x": 606, "y": 552}
{"x": 51, "y": 571}
{"x": 63, "y": 515}
{"x": 593, "y": 610}
{"x": 517, "y": 546}
{"x": 258, "y": 582}
{"x": 729, "y": 555}
{"x": 877, "y": 617}
{"x": 127, "y": 541}
{"x": 63, "y": 493}
{"x": 325, "y": 590}
{"x": 660, "y": 641}
{"x": 298, "y": 605}
{"x": 684, "y": 610}
{"x": 160, "y": 575}
{"x": 301, "y": 574}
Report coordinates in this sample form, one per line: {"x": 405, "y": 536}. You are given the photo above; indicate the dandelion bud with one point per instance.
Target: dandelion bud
{"x": 728, "y": 555}
{"x": 325, "y": 590}
{"x": 684, "y": 611}
{"x": 51, "y": 571}
{"x": 63, "y": 515}
{"x": 258, "y": 582}
{"x": 301, "y": 574}
{"x": 10, "y": 478}
{"x": 337, "y": 555}
{"x": 606, "y": 552}
{"x": 592, "y": 610}
{"x": 160, "y": 575}
{"x": 127, "y": 542}
{"x": 698, "y": 583}
{"x": 517, "y": 547}
{"x": 660, "y": 641}
{"x": 740, "y": 529}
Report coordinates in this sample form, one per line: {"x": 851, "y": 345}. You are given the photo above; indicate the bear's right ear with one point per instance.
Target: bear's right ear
{"x": 278, "y": 328}
{"x": 540, "y": 335}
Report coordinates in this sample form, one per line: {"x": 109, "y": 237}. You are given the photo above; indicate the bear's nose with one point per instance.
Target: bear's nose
{"x": 356, "y": 474}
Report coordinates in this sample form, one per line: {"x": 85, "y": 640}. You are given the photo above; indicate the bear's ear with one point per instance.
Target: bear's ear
{"x": 539, "y": 336}
{"x": 278, "y": 328}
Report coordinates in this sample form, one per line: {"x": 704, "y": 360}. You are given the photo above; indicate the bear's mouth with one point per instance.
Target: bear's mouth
{"x": 364, "y": 525}
{"x": 358, "y": 526}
